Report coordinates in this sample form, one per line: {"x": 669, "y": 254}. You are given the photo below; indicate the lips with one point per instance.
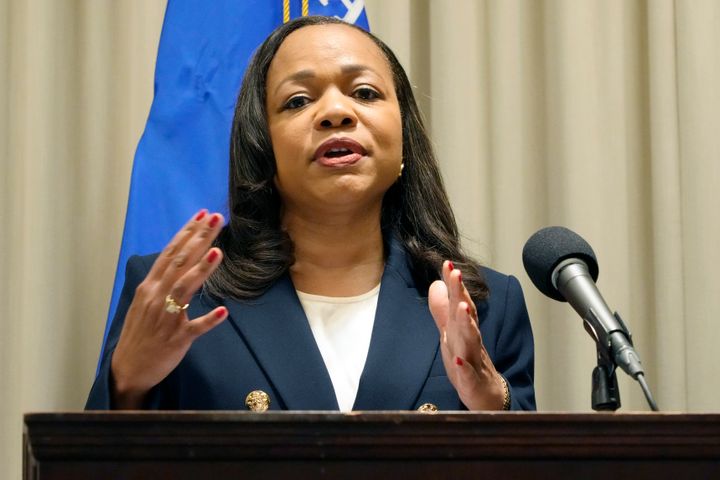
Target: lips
{"x": 339, "y": 152}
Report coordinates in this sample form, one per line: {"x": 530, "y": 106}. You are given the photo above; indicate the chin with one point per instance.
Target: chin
{"x": 352, "y": 198}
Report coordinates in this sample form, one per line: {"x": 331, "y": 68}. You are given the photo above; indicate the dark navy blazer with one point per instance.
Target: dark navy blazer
{"x": 266, "y": 344}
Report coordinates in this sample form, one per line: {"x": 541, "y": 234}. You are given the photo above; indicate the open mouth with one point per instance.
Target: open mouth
{"x": 339, "y": 152}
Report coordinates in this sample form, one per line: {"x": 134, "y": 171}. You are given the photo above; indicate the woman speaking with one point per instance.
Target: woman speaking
{"x": 338, "y": 282}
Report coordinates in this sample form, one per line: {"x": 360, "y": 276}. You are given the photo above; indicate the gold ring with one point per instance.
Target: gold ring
{"x": 171, "y": 306}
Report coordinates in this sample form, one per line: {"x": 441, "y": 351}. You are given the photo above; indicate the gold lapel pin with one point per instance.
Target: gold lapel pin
{"x": 257, "y": 401}
{"x": 427, "y": 408}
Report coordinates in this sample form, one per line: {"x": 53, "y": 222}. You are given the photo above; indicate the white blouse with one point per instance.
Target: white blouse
{"x": 342, "y": 327}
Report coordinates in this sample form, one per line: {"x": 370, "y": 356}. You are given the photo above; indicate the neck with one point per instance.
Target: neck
{"x": 336, "y": 256}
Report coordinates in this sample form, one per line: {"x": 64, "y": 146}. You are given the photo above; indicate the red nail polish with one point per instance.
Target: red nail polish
{"x": 220, "y": 312}
{"x": 213, "y": 255}
{"x": 458, "y": 361}
{"x": 468, "y": 309}
{"x": 214, "y": 220}
{"x": 200, "y": 215}
{"x": 451, "y": 266}
{"x": 460, "y": 277}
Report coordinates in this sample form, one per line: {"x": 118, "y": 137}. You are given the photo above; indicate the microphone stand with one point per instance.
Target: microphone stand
{"x": 605, "y": 389}
{"x": 605, "y": 395}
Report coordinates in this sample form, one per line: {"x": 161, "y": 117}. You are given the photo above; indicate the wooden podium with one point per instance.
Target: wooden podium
{"x": 219, "y": 445}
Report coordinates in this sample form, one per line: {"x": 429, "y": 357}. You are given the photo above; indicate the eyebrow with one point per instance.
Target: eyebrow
{"x": 308, "y": 73}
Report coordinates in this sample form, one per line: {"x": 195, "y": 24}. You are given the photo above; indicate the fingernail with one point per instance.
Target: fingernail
{"x": 451, "y": 266}
{"x": 220, "y": 312}
{"x": 214, "y": 220}
{"x": 213, "y": 255}
{"x": 460, "y": 277}
{"x": 467, "y": 309}
{"x": 200, "y": 215}
{"x": 458, "y": 361}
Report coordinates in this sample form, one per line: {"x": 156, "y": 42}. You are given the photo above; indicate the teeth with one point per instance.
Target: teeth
{"x": 337, "y": 150}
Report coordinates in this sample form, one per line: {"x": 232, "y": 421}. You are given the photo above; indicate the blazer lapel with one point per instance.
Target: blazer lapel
{"x": 404, "y": 342}
{"x": 275, "y": 328}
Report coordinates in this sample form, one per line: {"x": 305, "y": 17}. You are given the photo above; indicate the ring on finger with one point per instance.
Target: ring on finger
{"x": 171, "y": 306}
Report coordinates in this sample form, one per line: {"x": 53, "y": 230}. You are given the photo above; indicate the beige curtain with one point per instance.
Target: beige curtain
{"x": 600, "y": 115}
{"x": 75, "y": 89}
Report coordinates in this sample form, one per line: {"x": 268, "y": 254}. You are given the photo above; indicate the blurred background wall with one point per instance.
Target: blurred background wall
{"x": 599, "y": 115}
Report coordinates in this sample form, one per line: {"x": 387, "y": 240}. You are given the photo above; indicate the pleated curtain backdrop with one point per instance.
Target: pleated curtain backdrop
{"x": 76, "y": 81}
{"x": 599, "y": 115}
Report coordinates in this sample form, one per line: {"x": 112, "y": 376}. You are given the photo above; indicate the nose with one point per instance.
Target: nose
{"x": 335, "y": 110}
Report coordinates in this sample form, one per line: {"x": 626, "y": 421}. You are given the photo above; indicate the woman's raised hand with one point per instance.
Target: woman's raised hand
{"x": 467, "y": 363}
{"x": 157, "y": 333}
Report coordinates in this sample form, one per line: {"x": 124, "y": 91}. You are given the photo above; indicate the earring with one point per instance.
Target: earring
{"x": 402, "y": 165}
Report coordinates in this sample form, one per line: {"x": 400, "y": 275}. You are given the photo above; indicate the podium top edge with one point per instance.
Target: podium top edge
{"x": 366, "y": 416}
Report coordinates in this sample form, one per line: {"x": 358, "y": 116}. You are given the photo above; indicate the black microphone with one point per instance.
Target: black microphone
{"x": 563, "y": 266}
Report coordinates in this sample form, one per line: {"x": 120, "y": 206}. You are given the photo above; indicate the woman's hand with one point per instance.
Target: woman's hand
{"x": 154, "y": 339}
{"x": 467, "y": 363}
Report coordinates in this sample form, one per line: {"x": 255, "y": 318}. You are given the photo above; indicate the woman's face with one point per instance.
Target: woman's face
{"x": 334, "y": 121}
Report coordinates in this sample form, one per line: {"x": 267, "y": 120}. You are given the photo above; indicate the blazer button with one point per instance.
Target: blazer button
{"x": 427, "y": 408}
{"x": 257, "y": 401}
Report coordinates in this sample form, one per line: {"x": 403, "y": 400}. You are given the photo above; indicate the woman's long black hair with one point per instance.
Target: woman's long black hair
{"x": 415, "y": 209}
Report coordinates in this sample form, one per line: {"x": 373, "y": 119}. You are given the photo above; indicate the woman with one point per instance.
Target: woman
{"x": 331, "y": 287}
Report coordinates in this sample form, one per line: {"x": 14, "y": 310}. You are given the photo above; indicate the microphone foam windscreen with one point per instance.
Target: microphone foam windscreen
{"x": 550, "y": 246}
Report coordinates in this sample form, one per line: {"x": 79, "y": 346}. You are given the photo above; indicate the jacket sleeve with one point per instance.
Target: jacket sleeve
{"x": 135, "y": 271}
{"x": 515, "y": 351}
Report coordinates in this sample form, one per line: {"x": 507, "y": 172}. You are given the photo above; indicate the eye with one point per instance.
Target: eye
{"x": 366, "y": 93}
{"x": 296, "y": 102}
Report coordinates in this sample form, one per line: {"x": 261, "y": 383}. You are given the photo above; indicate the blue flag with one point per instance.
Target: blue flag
{"x": 181, "y": 162}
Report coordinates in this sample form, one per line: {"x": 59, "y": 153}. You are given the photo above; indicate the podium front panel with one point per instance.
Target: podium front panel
{"x": 216, "y": 445}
